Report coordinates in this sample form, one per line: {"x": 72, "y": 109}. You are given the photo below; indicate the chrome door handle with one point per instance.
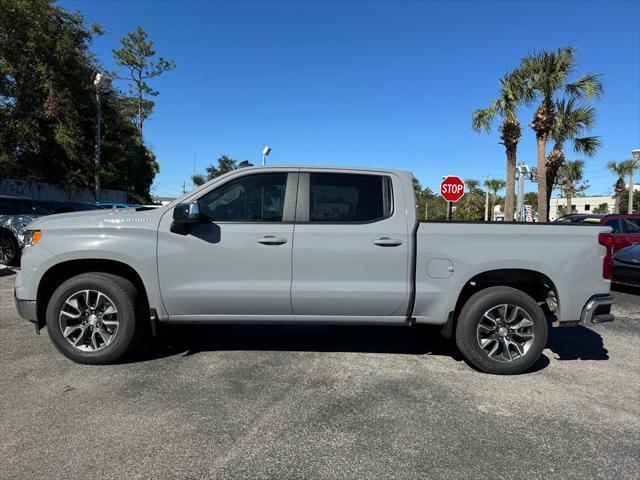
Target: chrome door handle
{"x": 387, "y": 242}
{"x": 271, "y": 240}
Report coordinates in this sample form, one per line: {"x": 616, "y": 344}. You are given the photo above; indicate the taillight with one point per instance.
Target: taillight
{"x": 606, "y": 240}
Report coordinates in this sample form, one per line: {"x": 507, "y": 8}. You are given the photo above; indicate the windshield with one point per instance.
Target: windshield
{"x": 21, "y": 206}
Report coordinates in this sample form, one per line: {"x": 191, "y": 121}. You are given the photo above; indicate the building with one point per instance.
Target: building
{"x": 579, "y": 205}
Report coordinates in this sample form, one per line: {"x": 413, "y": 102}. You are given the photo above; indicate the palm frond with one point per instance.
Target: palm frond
{"x": 482, "y": 119}
{"x": 587, "y": 145}
{"x": 588, "y": 86}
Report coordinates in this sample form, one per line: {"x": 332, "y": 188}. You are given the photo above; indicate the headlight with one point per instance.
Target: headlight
{"x": 31, "y": 237}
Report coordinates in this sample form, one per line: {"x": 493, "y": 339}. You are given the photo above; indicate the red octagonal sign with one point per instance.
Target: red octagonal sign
{"x": 452, "y": 188}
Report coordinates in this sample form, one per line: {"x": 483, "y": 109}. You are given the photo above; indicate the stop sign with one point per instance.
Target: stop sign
{"x": 452, "y": 188}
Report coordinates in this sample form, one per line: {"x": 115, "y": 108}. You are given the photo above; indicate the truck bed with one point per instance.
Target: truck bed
{"x": 450, "y": 254}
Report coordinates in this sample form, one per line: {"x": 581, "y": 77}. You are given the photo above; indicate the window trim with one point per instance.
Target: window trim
{"x": 304, "y": 194}
{"x": 290, "y": 194}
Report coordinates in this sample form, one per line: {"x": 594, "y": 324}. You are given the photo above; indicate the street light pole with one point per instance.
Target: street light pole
{"x": 635, "y": 156}
{"x": 96, "y": 83}
{"x": 265, "y": 153}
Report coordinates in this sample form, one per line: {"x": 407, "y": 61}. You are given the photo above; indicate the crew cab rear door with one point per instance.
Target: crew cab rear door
{"x": 351, "y": 247}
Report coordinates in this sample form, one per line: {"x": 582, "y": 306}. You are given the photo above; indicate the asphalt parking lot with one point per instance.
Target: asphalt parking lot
{"x": 320, "y": 402}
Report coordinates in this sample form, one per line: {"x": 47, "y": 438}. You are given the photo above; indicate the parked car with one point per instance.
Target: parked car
{"x": 626, "y": 266}
{"x": 15, "y": 215}
{"x": 626, "y": 227}
{"x": 310, "y": 245}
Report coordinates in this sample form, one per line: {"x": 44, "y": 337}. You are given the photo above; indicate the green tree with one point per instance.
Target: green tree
{"x": 226, "y": 164}
{"x": 548, "y": 73}
{"x": 471, "y": 205}
{"x": 198, "y": 179}
{"x": 47, "y": 105}
{"x": 602, "y": 208}
{"x": 620, "y": 170}
{"x": 494, "y": 185}
{"x": 136, "y": 56}
{"x": 513, "y": 93}
{"x": 570, "y": 179}
{"x": 624, "y": 202}
{"x": 572, "y": 120}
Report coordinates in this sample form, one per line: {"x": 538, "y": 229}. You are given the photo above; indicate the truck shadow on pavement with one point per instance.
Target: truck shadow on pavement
{"x": 576, "y": 343}
{"x": 566, "y": 343}
{"x": 192, "y": 339}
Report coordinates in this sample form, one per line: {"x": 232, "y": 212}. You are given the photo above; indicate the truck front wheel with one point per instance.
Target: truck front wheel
{"x": 91, "y": 318}
{"x": 501, "y": 330}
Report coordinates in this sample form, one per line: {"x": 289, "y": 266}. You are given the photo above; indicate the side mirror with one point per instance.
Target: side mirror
{"x": 183, "y": 214}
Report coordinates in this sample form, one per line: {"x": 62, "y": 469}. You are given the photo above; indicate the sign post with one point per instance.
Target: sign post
{"x": 452, "y": 190}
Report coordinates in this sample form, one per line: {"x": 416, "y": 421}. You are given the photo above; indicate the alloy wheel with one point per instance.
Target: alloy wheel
{"x": 89, "y": 320}
{"x": 505, "y": 332}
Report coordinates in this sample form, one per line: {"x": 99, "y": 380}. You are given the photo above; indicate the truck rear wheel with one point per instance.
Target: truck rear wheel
{"x": 91, "y": 318}
{"x": 501, "y": 330}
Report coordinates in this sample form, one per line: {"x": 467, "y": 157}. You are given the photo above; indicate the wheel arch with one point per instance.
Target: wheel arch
{"x": 532, "y": 282}
{"x": 61, "y": 272}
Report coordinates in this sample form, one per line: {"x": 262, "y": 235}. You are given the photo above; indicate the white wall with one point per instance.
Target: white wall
{"x": 47, "y": 191}
{"x": 580, "y": 205}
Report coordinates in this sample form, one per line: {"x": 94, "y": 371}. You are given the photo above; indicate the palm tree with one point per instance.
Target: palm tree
{"x": 571, "y": 174}
{"x": 494, "y": 186}
{"x": 546, "y": 74}
{"x": 512, "y": 94}
{"x": 619, "y": 169}
{"x": 472, "y": 184}
{"x": 572, "y": 120}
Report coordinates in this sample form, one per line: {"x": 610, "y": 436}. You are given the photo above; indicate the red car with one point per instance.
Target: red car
{"x": 626, "y": 227}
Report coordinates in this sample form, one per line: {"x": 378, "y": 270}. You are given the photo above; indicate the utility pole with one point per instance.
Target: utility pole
{"x": 486, "y": 200}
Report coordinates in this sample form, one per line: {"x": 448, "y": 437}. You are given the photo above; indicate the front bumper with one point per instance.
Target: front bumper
{"x": 27, "y": 309}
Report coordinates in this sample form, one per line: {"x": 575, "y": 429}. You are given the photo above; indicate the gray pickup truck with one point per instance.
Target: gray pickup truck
{"x": 310, "y": 245}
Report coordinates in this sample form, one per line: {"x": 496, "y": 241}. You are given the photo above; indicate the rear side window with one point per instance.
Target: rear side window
{"x": 614, "y": 223}
{"x": 348, "y": 198}
{"x": 252, "y": 198}
{"x": 630, "y": 225}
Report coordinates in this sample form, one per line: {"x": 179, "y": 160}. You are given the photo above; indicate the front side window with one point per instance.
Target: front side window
{"x": 345, "y": 198}
{"x": 253, "y": 198}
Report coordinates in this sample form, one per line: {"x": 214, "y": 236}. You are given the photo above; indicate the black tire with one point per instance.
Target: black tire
{"x": 9, "y": 249}
{"x": 124, "y": 296}
{"x": 468, "y": 327}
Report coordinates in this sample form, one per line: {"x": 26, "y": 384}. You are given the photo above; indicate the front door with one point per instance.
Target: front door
{"x": 351, "y": 249}
{"x": 237, "y": 261}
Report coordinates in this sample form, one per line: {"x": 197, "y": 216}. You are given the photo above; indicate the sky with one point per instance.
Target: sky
{"x": 363, "y": 83}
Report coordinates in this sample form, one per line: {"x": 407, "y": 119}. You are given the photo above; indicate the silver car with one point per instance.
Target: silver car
{"x": 15, "y": 214}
